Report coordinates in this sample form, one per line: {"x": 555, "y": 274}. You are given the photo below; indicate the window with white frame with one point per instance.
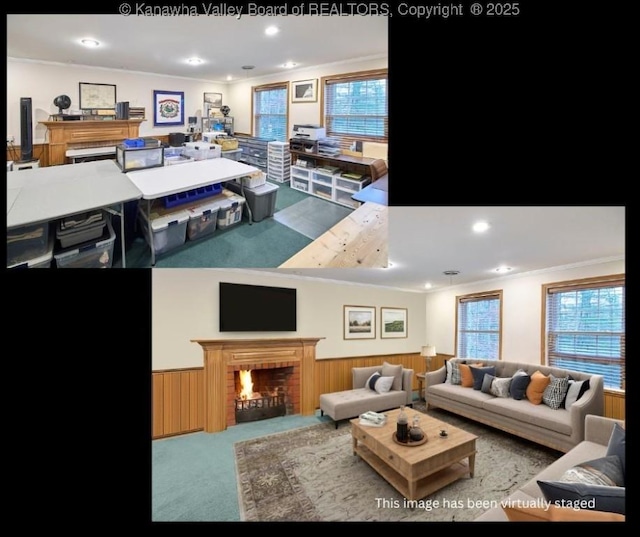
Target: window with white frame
{"x": 585, "y": 327}
{"x": 270, "y": 111}
{"x": 478, "y": 325}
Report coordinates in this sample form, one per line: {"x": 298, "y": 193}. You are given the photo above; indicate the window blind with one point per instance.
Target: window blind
{"x": 270, "y": 117}
{"x": 479, "y": 326}
{"x": 586, "y": 329}
{"x": 356, "y": 107}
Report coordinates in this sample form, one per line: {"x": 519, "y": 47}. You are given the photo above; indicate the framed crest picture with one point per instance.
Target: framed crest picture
{"x": 393, "y": 322}
{"x": 359, "y": 322}
{"x": 168, "y": 108}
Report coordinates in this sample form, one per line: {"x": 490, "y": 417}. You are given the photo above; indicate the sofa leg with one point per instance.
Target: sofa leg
{"x": 336, "y": 424}
{"x": 321, "y": 412}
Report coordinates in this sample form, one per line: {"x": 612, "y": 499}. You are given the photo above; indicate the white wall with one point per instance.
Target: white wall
{"x": 184, "y": 306}
{"x": 521, "y": 309}
{"x": 43, "y": 82}
{"x": 299, "y": 113}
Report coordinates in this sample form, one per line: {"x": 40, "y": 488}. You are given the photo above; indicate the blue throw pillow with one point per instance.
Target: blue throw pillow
{"x": 479, "y": 373}
{"x": 519, "y": 383}
{"x": 617, "y": 444}
{"x": 584, "y": 496}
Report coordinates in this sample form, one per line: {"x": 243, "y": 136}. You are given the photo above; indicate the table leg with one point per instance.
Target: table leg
{"x": 246, "y": 203}
{"x": 151, "y": 243}
{"x": 472, "y": 464}
{"x": 124, "y": 261}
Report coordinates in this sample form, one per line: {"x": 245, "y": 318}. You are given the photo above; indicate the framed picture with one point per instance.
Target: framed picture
{"x": 393, "y": 322}
{"x": 168, "y": 108}
{"x": 304, "y": 91}
{"x": 359, "y": 322}
{"x": 213, "y": 99}
{"x": 97, "y": 96}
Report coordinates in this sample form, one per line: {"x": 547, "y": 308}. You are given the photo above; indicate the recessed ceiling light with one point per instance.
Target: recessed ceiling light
{"x": 195, "y": 61}
{"x": 428, "y": 286}
{"x": 289, "y": 65}
{"x": 92, "y": 43}
{"x": 480, "y": 227}
{"x": 271, "y": 30}
{"x": 229, "y": 77}
{"x": 501, "y": 270}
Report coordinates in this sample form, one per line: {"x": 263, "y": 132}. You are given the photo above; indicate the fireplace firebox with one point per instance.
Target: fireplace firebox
{"x": 262, "y": 393}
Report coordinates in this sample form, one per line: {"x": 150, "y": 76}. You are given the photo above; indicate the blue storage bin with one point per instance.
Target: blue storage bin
{"x": 173, "y": 200}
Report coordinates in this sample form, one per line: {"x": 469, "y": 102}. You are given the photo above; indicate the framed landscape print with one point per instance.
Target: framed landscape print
{"x": 359, "y": 322}
{"x": 168, "y": 108}
{"x": 304, "y": 91}
{"x": 393, "y": 322}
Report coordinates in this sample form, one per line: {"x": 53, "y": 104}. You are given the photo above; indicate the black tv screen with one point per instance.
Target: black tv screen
{"x": 257, "y": 308}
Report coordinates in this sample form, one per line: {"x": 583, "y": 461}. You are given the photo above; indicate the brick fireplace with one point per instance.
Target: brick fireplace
{"x": 223, "y": 359}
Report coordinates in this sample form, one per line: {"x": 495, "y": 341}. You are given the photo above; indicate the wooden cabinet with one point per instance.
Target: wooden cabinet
{"x": 64, "y": 135}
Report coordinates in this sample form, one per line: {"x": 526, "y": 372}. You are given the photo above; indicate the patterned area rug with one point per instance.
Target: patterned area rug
{"x": 311, "y": 474}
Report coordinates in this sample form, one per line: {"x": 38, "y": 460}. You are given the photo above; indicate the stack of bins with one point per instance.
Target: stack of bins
{"x": 89, "y": 254}
{"x": 79, "y": 228}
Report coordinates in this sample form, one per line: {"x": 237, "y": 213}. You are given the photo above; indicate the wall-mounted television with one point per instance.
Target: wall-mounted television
{"x": 257, "y": 308}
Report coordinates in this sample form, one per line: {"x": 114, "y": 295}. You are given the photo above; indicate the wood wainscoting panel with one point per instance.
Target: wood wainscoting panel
{"x": 178, "y": 402}
{"x": 614, "y": 405}
{"x": 40, "y": 152}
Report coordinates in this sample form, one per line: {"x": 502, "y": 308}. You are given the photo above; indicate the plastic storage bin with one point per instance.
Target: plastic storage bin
{"x": 202, "y": 220}
{"x": 43, "y": 261}
{"x": 169, "y": 229}
{"x": 254, "y": 180}
{"x": 79, "y": 228}
{"x": 232, "y": 154}
{"x": 27, "y": 242}
{"x": 230, "y": 211}
{"x": 151, "y": 155}
{"x": 92, "y": 254}
{"x": 261, "y": 199}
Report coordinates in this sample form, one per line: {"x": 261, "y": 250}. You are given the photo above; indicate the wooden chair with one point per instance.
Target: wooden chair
{"x": 378, "y": 169}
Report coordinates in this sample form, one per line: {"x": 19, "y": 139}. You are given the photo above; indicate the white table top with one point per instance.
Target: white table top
{"x": 163, "y": 181}
{"x": 43, "y": 194}
{"x": 91, "y": 151}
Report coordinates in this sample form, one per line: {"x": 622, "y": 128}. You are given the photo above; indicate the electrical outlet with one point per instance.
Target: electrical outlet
{"x": 10, "y": 139}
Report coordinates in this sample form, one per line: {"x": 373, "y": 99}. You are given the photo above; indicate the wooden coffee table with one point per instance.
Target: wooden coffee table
{"x": 416, "y": 471}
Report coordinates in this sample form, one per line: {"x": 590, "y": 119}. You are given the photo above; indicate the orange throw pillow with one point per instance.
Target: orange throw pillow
{"x": 466, "y": 376}
{"x": 536, "y": 387}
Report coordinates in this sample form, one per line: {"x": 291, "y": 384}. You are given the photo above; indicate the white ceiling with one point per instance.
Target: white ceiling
{"x": 426, "y": 241}
{"x": 162, "y": 44}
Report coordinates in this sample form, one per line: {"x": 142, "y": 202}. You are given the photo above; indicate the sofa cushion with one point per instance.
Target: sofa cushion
{"x": 455, "y": 371}
{"x": 378, "y": 383}
{"x": 462, "y": 395}
{"x": 584, "y": 496}
{"x": 536, "y": 415}
{"x": 447, "y": 364}
{"x": 395, "y": 371}
{"x": 554, "y": 394}
{"x": 617, "y": 444}
{"x": 478, "y": 373}
{"x": 575, "y": 391}
{"x": 500, "y": 387}
{"x": 601, "y": 471}
{"x": 536, "y": 387}
{"x": 519, "y": 382}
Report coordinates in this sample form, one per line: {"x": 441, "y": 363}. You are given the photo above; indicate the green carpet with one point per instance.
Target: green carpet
{"x": 264, "y": 244}
{"x": 193, "y": 476}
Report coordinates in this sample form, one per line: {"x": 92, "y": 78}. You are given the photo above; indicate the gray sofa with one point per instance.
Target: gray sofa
{"x": 348, "y": 404}
{"x": 597, "y": 434}
{"x": 560, "y": 429}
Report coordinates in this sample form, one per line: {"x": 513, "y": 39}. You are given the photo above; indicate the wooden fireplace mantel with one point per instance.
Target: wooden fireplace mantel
{"x": 65, "y": 135}
{"x": 220, "y": 353}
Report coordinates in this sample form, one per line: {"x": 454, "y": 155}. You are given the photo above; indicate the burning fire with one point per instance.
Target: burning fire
{"x": 246, "y": 384}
